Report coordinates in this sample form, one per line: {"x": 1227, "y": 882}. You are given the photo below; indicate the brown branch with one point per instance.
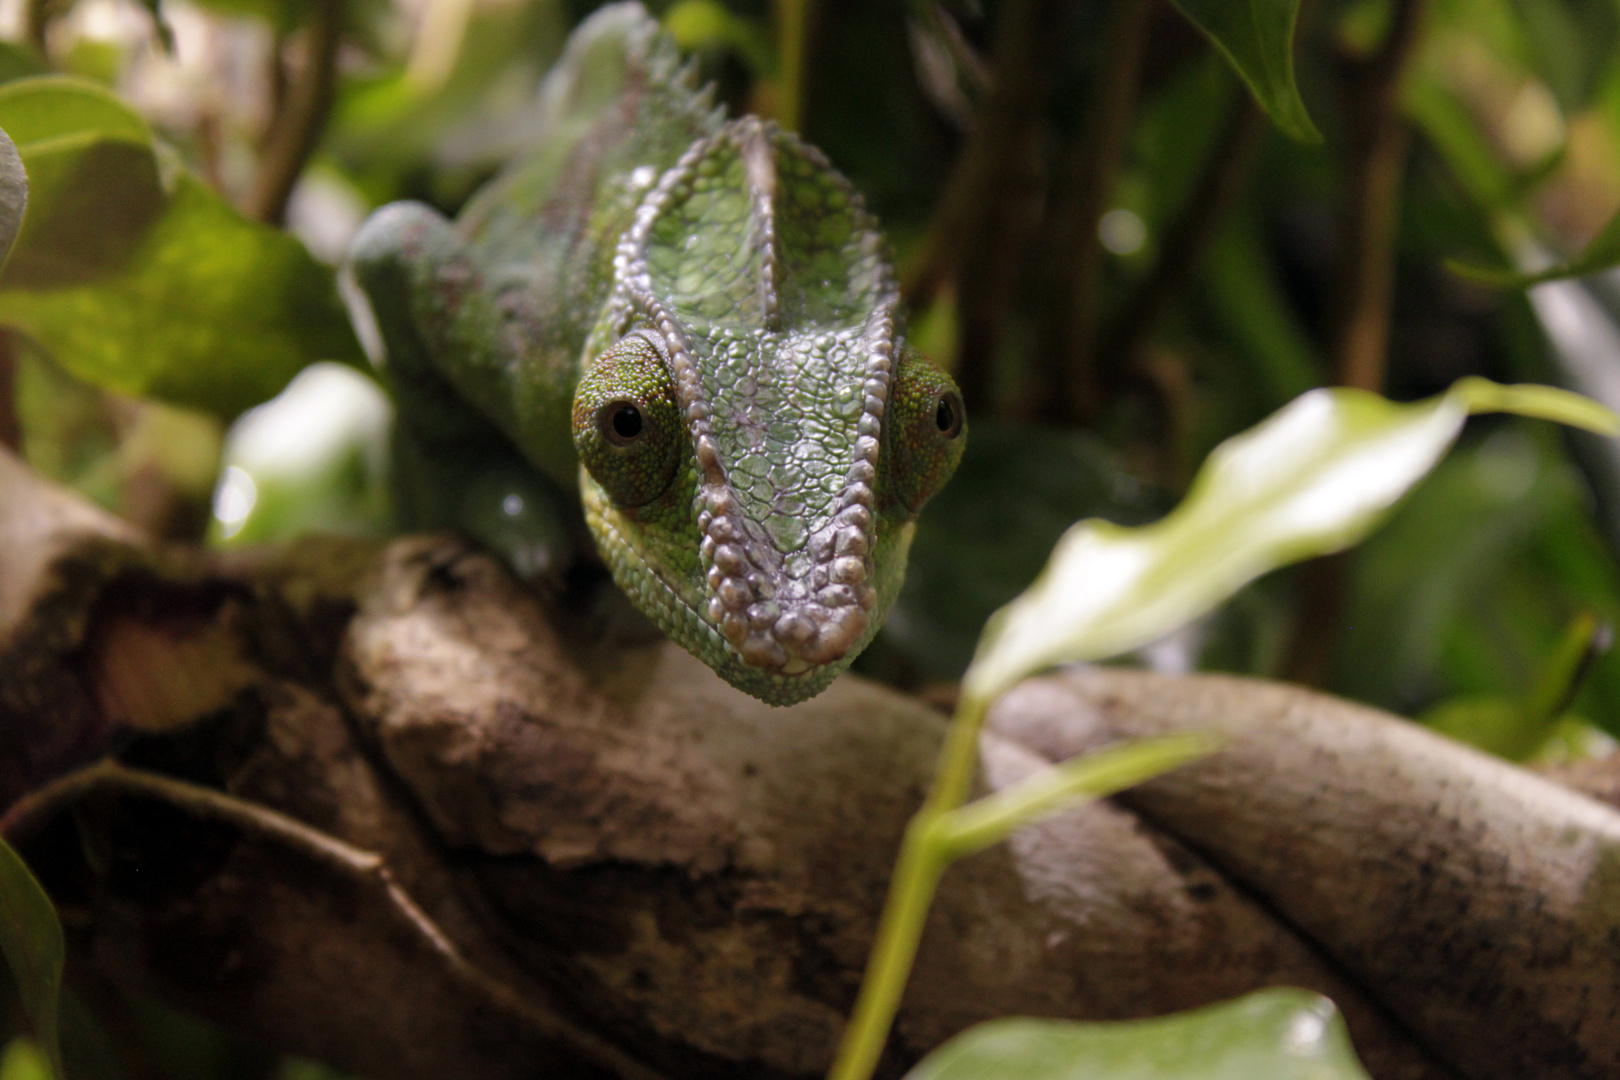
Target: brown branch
{"x": 1378, "y": 142}
{"x": 985, "y": 217}
{"x": 365, "y": 867}
{"x": 296, "y": 127}
{"x": 37, "y": 16}
{"x": 1065, "y": 365}
{"x": 1364, "y": 287}
{"x": 1184, "y": 243}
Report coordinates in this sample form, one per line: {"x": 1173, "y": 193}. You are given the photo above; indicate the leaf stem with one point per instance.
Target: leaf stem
{"x": 792, "y": 17}
{"x": 916, "y": 874}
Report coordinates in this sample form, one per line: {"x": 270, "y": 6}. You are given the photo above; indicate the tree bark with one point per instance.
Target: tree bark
{"x": 381, "y": 805}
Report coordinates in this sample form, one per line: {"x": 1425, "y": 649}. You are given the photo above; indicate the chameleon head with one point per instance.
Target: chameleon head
{"x": 755, "y": 437}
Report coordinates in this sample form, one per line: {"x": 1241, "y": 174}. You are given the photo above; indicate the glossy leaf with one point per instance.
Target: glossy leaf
{"x": 1314, "y": 478}
{"x": 1602, "y": 253}
{"x": 1274, "y": 1034}
{"x": 1257, "y": 39}
{"x": 31, "y": 938}
{"x": 136, "y": 277}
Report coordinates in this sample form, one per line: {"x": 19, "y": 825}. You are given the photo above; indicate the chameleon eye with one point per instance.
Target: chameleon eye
{"x": 922, "y": 434}
{"x": 627, "y": 422}
{"x": 620, "y": 422}
{"x": 948, "y": 414}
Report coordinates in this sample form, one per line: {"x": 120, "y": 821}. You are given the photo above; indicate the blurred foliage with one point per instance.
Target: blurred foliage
{"x": 144, "y": 310}
{"x": 1281, "y": 1034}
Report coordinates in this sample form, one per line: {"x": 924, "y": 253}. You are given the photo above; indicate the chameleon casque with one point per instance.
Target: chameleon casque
{"x": 695, "y": 322}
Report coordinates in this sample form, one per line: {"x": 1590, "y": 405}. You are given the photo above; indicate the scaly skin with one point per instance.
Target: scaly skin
{"x": 694, "y": 321}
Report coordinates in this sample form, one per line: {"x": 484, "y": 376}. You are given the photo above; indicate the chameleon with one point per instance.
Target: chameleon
{"x": 693, "y": 322}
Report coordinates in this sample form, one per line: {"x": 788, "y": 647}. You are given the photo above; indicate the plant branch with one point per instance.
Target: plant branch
{"x": 1065, "y": 367}
{"x": 295, "y": 127}
{"x": 366, "y": 867}
{"x": 1379, "y": 138}
{"x": 981, "y": 229}
{"x": 1184, "y": 243}
{"x": 1364, "y": 288}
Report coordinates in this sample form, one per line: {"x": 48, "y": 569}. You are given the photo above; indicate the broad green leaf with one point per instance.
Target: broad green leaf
{"x": 1275, "y": 1034}
{"x": 31, "y": 938}
{"x": 50, "y": 107}
{"x": 13, "y": 195}
{"x": 1257, "y": 39}
{"x": 1601, "y": 254}
{"x": 134, "y": 276}
{"x": 1314, "y": 478}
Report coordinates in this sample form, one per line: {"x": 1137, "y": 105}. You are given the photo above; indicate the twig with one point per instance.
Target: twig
{"x": 366, "y": 867}
{"x": 1065, "y": 363}
{"x": 37, "y": 15}
{"x": 1365, "y": 279}
{"x": 296, "y": 127}
{"x": 985, "y": 216}
{"x": 1184, "y": 243}
{"x": 1379, "y": 138}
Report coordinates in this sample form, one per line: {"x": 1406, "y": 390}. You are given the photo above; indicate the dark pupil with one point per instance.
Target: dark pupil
{"x": 945, "y": 416}
{"x": 627, "y": 421}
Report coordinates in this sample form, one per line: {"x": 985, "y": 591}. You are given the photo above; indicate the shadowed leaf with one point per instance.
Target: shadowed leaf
{"x": 1257, "y": 39}
{"x": 135, "y": 276}
{"x": 31, "y": 938}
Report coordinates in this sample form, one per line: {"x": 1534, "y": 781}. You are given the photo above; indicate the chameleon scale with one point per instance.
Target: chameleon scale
{"x": 694, "y": 322}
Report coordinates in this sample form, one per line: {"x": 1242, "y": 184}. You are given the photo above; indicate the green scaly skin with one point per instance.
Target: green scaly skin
{"x": 696, "y": 323}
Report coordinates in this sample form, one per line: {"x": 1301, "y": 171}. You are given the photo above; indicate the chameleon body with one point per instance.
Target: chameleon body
{"x": 695, "y": 323}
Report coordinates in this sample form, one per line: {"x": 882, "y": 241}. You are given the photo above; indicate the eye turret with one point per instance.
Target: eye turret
{"x": 923, "y": 433}
{"x": 627, "y": 422}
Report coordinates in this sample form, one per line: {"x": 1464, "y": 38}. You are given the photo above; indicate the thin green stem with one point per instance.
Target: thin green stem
{"x": 916, "y": 876}
{"x": 791, "y": 19}
{"x": 922, "y": 859}
{"x": 989, "y": 820}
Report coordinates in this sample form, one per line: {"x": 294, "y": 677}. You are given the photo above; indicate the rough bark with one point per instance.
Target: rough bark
{"x": 382, "y": 805}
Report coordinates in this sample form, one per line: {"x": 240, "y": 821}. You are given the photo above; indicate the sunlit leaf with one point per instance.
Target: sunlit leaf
{"x": 1257, "y": 39}
{"x": 135, "y": 276}
{"x": 1275, "y": 1034}
{"x": 1601, "y": 254}
{"x": 31, "y": 938}
{"x": 1314, "y": 478}
{"x": 50, "y": 107}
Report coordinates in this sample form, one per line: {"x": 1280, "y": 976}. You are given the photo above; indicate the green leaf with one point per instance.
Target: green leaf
{"x": 31, "y": 938}
{"x": 1274, "y": 1034}
{"x": 1314, "y": 478}
{"x": 13, "y": 195}
{"x": 1601, "y": 254}
{"x": 50, "y": 107}
{"x": 1257, "y": 39}
{"x": 135, "y": 276}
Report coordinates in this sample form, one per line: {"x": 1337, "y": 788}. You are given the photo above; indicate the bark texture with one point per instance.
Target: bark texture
{"x": 382, "y": 805}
